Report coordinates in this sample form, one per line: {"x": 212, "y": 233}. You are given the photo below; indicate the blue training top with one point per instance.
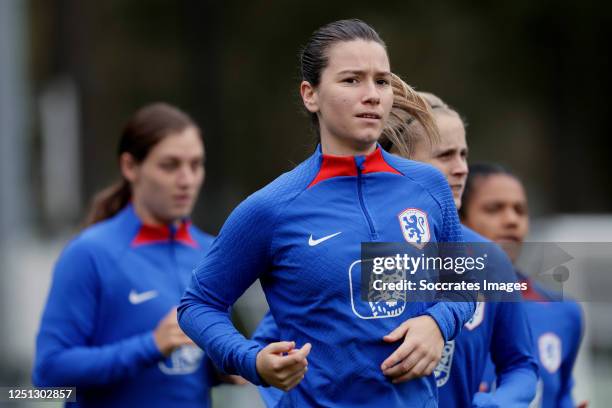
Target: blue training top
{"x": 301, "y": 235}
{"x": 111, "y": 286}
{"x": 498, "y": 330}
{"x": 557, "y": 327}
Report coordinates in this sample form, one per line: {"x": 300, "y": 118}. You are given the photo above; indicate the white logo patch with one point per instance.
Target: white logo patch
{"x": 443, "y": 369}
{"x": 549, "y": 346}
{"x": 415, "y": 226}
{"x": 383, "y": 305}
{"x": 477, "y": 317}
{"x": 136, "y": 298}
{"x": 184, "y": 360}
{"x": 315, "y": 242}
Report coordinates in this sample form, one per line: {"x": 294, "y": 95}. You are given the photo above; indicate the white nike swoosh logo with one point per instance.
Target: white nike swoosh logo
{"x": 314, "y": 242}
{"x": 136, "y": 298}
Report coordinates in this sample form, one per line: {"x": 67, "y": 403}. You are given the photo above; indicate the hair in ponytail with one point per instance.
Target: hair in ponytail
{"x": 145, "y": 129}
{"x": 314, "y": 56}
{"x": 410, "y": 108}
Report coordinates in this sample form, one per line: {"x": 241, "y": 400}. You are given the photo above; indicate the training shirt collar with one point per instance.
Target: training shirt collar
{"x": 155, "y": 234}
{"x": 337, "y": 166}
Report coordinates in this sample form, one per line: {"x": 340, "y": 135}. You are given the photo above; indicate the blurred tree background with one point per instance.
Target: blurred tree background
{"x": 531, "y": 79}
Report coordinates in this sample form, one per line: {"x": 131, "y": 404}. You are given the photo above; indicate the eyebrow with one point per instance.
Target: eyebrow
{"x": 179, "y": 158}
{"x": 361, "y": 72}
{"x": 445, "y": 150}
{"x": 451, "y": 149}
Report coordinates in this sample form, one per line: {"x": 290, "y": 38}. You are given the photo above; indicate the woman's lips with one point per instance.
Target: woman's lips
{"x": 369, "y": 117}
{"x": 508, "y": 238}
{"x": 182, "y": 199}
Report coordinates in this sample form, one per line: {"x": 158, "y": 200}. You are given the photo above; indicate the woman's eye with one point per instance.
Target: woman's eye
{"x": 492, "y": 209}
{"x": 350, "y": 80}
{"x": 382, "y": 82}
{"x": 520, "y": 210}
{"x": 168, "y": 166}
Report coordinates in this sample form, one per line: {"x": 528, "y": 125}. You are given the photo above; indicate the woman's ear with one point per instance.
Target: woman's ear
{"x": 310, "y": 97}
{"x": 129, "y": 167}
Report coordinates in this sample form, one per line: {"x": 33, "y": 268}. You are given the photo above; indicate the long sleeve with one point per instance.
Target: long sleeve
{"x": 267, "y": 331}
{"x": 457, "y": 307}
{"x": 516, "y": 368}
{"x": 65, "y": 355}
{"x": 567, "y": 380}
{"x": 238, "y": 256}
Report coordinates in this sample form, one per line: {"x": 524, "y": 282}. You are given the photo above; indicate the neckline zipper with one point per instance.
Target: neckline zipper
{"x": 359, "y": 163}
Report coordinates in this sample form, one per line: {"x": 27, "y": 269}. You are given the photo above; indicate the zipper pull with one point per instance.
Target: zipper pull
{"x": 359, "y": 161}
{"x": 173, "y": 230}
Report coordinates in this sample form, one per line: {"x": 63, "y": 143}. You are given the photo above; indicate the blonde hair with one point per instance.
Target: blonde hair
{"x": 412, "y": 119}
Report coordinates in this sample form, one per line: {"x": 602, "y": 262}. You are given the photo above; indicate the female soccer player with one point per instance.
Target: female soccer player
{"x": 301, "y": 235}
{"x": 495, "y": 205}
{"x": 110, "y": 326}
{"x": 496, "y": 328}
{"x": 406, "y": 101}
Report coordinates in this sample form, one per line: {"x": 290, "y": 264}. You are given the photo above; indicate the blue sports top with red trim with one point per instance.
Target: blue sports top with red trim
{"x": 301, "y": 236}
{"x": 499, "y": 332}
{"x": 111, "y": 286}
{"x": 557, "y": 326}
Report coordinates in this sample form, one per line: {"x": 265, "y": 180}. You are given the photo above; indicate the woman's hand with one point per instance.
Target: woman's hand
{"x": 282, "y": 365}
{"x": 419, "y": 353}
{"x": 168, "y": 335}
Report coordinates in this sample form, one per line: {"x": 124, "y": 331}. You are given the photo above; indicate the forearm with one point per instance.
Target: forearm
{"x": 212, "y": 330}
{"x": 451, "y": 316}
{"x": 85, "y": 366}
{"x": 517, "y": 387}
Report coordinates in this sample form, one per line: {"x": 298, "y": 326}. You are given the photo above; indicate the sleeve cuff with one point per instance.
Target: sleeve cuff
{"x": 250, "y": 367}
{"x": 484, "y": 400}
{"x": 439, "y": 312}
{"x": 151, "y": 352}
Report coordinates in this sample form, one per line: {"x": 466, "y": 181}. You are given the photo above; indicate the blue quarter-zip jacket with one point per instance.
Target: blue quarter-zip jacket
{"x": 498, "y": 330}
{"x": 301, "y": 236}
{"x": 111, "y": 286}
{"x": 557, "y": 327}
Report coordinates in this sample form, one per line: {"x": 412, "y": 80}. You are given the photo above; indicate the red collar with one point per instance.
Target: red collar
{"x": 531, "y": 293}
{"x": 336, "y": 166}
{"x": 154, "y": 234}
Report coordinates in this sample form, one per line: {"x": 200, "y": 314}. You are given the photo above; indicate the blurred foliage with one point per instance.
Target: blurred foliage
{"x": 531, "y": 78}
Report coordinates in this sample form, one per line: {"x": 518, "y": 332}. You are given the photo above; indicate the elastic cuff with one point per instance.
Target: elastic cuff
{"x": 438, "y": 312}
{"x": 250, "y": 367}
{"x": 150, "y": 349}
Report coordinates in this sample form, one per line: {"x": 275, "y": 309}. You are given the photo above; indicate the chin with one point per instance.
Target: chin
{"x": 178, "y": 213}
{"x": 366, "y": 140}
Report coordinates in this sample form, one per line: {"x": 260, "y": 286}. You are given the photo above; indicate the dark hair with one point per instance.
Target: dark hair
{"x": 475, "y": 172}
{"x": 314, "y": 58}
{"x": 145, "y": 129}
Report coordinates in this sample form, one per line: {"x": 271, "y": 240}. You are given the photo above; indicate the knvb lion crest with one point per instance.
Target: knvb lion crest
{"x": 184, "y": 360}
{"x": 415, "y": 226}
{"x": 549, "y": 347}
